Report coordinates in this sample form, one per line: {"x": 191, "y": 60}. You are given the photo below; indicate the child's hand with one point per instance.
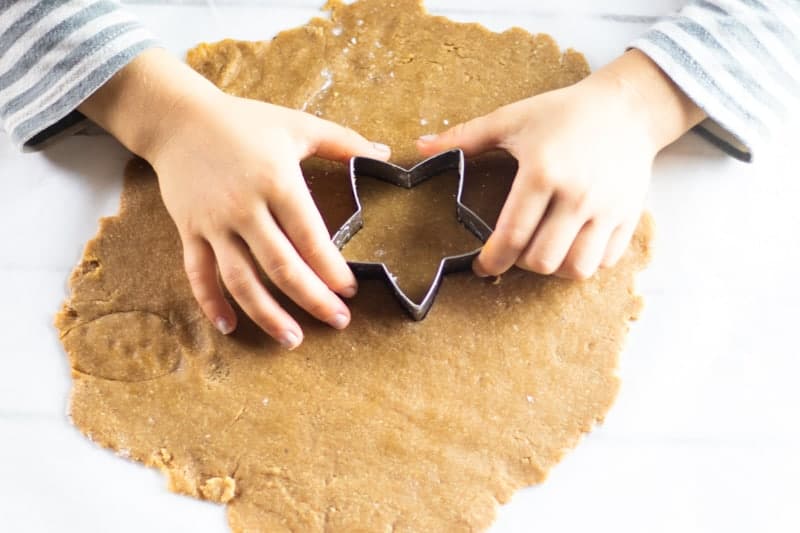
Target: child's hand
{"x": 585, "y": 154}
{"x": 230, "y": 177}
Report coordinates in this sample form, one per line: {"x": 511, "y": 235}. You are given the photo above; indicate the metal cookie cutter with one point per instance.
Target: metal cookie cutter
{"x": 433, "y": 166}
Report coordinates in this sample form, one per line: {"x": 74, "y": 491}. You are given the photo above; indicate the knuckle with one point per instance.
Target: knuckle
{"x": 272, "y": 190}
{"x": 307, "y": 242}
{"x": 331, "y": 268}
{"x": 313, "y": 254}
{"x": 545, "y": 169}
{"x": 462, "y": 132}
{"x": 201, "y": 280}
{"x": 266, "y": 320}
{"x": 318, "y": 307}
{"x": 514, "y": 237}
{"x": 577, "y": 199}
{"x": 238, "y": 215}
{"x": 237, "y": 280}
{"x": 459, "y": 130}
{"x": 282, "y": 273}
{"x": 236, "y": 210}
{"x": 190, "y": 226}
{"x": 196, "y": 276}
{"x": 206, "y": 299}
{"x": 207, "y": 295}
{"x": 544, "y": 179}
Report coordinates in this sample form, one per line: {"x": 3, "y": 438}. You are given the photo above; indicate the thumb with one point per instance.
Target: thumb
{"x": 475, "y": 136}
{"x": 332, "y": 141}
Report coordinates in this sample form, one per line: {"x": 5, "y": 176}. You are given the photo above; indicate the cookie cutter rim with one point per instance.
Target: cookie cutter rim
{"x": 408, "y": 178}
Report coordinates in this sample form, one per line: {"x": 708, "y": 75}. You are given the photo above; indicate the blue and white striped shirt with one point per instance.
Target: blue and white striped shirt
{"x": 739, "y": 60}
{"x": 54, "y": 54}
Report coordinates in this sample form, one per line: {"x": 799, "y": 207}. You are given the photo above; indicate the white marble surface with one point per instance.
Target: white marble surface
{"x": 704, "y": 435}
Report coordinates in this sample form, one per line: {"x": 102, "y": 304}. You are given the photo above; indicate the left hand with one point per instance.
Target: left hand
{"x": 585, "y": 154}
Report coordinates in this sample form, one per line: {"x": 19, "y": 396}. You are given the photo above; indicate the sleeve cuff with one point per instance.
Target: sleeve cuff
{"x": 725, "y": 128}
{"x": 60, "y": 117}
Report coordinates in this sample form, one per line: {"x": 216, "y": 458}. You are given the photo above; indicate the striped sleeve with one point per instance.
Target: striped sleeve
{"x": 53, "y": 55}
{"x": 739, "y": 60}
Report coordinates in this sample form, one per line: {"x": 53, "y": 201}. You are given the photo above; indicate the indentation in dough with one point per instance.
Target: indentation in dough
{"x": 89, "y": 266}
{"x": 125, "y": 346}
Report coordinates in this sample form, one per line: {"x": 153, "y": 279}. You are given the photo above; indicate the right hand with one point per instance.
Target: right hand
{"x": 230, "y": 178}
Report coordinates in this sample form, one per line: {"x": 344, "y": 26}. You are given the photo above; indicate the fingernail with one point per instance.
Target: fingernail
{"x": 340, "y": 321}
{"x": 382, "y": 148}
{"x": 349, "y": 292}
{"x": 428, "y": 138}
{"x": 223, "y": 326}
{"x": 290, "y": 340}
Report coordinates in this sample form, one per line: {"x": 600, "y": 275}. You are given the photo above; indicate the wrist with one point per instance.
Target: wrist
{"x": 650, "y": 97}
{"x": 143, "y": 103}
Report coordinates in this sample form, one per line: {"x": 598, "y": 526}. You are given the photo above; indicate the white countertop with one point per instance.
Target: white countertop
{"x": 703, "y": 437}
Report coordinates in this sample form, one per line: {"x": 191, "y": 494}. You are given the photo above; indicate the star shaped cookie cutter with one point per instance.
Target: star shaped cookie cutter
{"x": 408, "y": 178}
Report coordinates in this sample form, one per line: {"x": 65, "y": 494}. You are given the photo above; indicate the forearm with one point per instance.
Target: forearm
{"x": 143, "y": 102}
{"x": 655, "y": 100}
{"x": 740, "y": 62}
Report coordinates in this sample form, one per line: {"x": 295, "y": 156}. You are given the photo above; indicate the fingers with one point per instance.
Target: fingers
{"x": 290, "y": 273}
{"x": 553, "y": 239}
{"x": 201, "y": 269}
{"x": 526, "y": 205}
{"x": 587, "y": 251}
{"x": 618, "y": 243}
{"x": 240, "y": 276}
{"x": 473, "y": 137}
{"x": 549, "y": 227}
{"x": 335, "y": 142}
{"x": 563, "y": 247}
{"x": 298, "y": 216}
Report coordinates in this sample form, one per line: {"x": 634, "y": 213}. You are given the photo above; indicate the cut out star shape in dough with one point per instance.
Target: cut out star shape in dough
{"x": 408, "y": 178}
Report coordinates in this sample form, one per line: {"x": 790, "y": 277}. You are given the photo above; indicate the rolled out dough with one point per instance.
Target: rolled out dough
{"x": 390, "y": 425}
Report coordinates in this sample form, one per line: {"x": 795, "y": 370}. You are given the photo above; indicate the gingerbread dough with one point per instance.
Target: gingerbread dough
{"x": 391, "y": 425}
